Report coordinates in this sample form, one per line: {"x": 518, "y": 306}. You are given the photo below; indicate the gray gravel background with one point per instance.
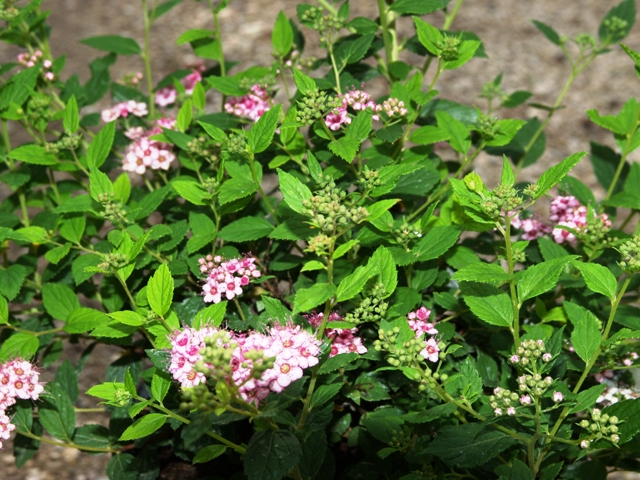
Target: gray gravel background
{"x": 527, "y": 60}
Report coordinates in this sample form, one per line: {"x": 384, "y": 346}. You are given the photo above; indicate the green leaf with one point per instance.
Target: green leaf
{"x": 144, "y": 426}
{"x": 465, "y": 446}
{"x": 488, "y": 303}
{"x": 466, "y": 51}
{"x": 338, "y": 252}
{"x": 585, "y": 337}
{"x": 304, "y": 83}
{"x": 213, "y": 131}
{"x": 59, "y": 300}
{"x": 551, "y": 250}
{"x": 628, "y": 412}
{"x": 226, "y": 85}
{"x": 293, "y": 191}
{"x": 625, "y": 11}
{"x": 11, "y": 281}
{"x": 208, "y": 453}
{"x": 598, "y": 278}
{"x": 160, "y": 290}
{"x": 556, "y": 173}
{"x": 193, "y": 35}
{"x": 483, "y": 273}
{"x": 122, "y": 467}
{"x": 540, "y": 278}
{"x": 271, "y": 454}
{"x": 77, "y": 204}
{"x": 185, "y": 115}
{"x": 360, "y": 126}
{"x": 429, "y": 36}
{"x": 352, "y": 285}
{"x": 82, "y": 320}
{"x": 33, "y": 154}
{"x": 417, "y": 7}
{"x": 378, "y": 209}
{"x": 160, "y": 383}
{"x": 324, "y": 393}
{"x": 390, "y": 134}
{"x": 23, "y": 345}
{"x": 212, "y": 315}
{"x": 507, "y": 178}
{"x": 106, "y": 391}
{"x": 436, "y": 242}
{"x": 162, "y": 9}
{"x": 339, "y": 361}
{"x": 345, "y": 148}
{"x": 282, "y": 35}
{"x": 235, "y": 189}
{"x": 70, "y": 120}
{"x": 100, "y": 185}
{"x": 246, "y": 229}
{"x": 548, "y": 32}
{"x": 4, "y": 311}
{"x": 260, "y": 136}
{"x": 114, "y": 44}
{"x": 56, "y": 413}
{"x": 383, "y": 261}
{"x": 190, "y": 189}
{"x": 56, "y": 254}
{"x": 308, "y": 298}
{"x": 458, "y": 134}
{"x": 352, "y": 51}
{"x": 587, "y": 398}
{"x": 129, "y": 317}
{"x": 429, "y": 134}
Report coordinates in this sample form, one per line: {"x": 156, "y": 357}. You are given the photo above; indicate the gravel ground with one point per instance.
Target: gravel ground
{"x": 526, "y": 59}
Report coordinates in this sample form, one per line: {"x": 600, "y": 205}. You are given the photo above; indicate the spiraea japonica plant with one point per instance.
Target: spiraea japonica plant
{"x": 305, "y": 278}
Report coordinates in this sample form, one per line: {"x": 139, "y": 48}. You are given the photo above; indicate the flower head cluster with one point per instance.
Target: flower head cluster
{"x": 630, "y": 253}
{"x": 529, "y": 351}
{"x": 338, "y": 117}
{"x": 419, "y": 322}
{"x": 123, "y": 109}
{"x": 534, "y": 384}
{"x": 226, "y": 278}
{"x": 18, "y": 379}
{"x": 393, "y": 107}
{"x": 30, "y": 60}
{"x": 242, "y": 358}
{"x": 168, "y": 95}
{"x": 629, "y": 359}
{"x": 614, "y": 395}
{"x": 144, "y": 152}
{"x": 504, "y": 401}
{"x": 342, "y": 340}
{"x": 601, "y": 425}
{"x": 252, "y": 105}
{"x": 532, "y": 228}
{"x": 361, "y": 100}
{"x": 568, "y": 212}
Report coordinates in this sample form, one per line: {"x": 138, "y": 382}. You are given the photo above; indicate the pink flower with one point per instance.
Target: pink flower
{"x": 547, "y": 357}
{"x": 532, "y": 228}
{"x": 335, "y": 119}
{"x": 525, "y": 400}
{"x": 110, "y": 114}
{"x": 431, "y": 350}
{"x": 418, "y": 321}
{"x": 49, "y": 76}
{"x": 344, "y": 341}
{"x": 226, "y": 278}
{"x": 361, "y": 100}
{"x": 498, "y": 412}
{"x": 166, "y": 96}
{"x": 252, "y": 105}
{"x": 511, "y": 411}
{"x": 558, "y": 397}
{"x": 514, "y": 359}
{"x": 600, "y": 377}
{"x": 185, "y": 353}
{"x": 190, "y": 81}
{"x": 568, "y": 212}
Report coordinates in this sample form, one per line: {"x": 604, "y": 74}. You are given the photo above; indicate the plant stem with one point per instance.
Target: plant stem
{"x": 262, "y": 194}
{"x": 390, "y": 47}
{"x": 623, "y": 160}
{"x": 223, "y": 67}
{"x": 65, "y": 444}
{"x": 450, "y": 17}
{"x": 512, "y": 283}
{"x": 235, "y": 300}
{"x": 146, "y": 56}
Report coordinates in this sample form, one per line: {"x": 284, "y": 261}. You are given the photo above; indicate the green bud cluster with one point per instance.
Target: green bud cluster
{"x": 314, "y": 106}
{"x": 113, "y": 211}
{"x": 319, "y": 245}
{"x": 325, "y": 25}
{"x": 113, "y": 261}
{"x": 327, "y": 210}
{"x": 65, "y": 143}
{"x": 216, "y": 356}
{"x": 38, "y": 111}
{"x": 450, "y": 48}
{"x": 236, "y": 144}
{"x": 601, "y": 426}
{"x": 531, "y": 190}
{"x": 503, "y": 398}
{"x": 586, "y": 40}
{"x": 615, "y": 25}
{"x": 212, "y": 186}
{"x": 504, "y": 198}
{"x": 534, "y": 384}
{"x": 492, "y": 90}
{"x": 369, "y": 179}
{"x": 597, "y": 229}
{"x": 630, "y": 251}
{"x": 371, "y": 309}
{"x": 202, "y": 147}
{"x": 199, "y": 398}
{"x": 405, "y": 233}
{"x": 8, "y": 13}
{"x": 487, "y": 126}
{"x": 529, "y": 352}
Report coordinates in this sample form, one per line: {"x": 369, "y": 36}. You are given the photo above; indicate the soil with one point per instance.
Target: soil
{"x": 515, "y": 47}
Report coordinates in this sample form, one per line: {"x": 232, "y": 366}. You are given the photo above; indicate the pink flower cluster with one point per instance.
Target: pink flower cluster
{"x": 292, "y": 349}
{"x": 342, "y": 340}
{"x": 568, "y": 212}
{"x": 226, "y": 278}
{"x": 30, "y": 60}
{"x": 419, "y": 323}
{"x": 18, "y": 379}
{"x": 168, "y": 95}
{"x": 252, "y": 105}
{"x": 144, "y": 152}
{"x": 123, "y": 109}
{"x": 185, "y": 352}
{"x": 632, "y": 357}
{"x": 532, "y": 228}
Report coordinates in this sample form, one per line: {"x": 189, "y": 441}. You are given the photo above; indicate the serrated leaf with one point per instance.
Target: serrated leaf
{"x": 190, "y": 190}
{"x": 100, "y": 146}
{"x": 19, "y": 345}
{"x": 429, "y": 36}
{"x": 11, "y": 280}
{"x": 144, "y": 426}
{"x": 436, "y": 242}
{"x": 59, "y": 300}
{"x": 212, "y": 315}
{"x": 548, "y": 32}
{"x": 483, "y": 273}
{"x": 208, "y": 453}
{"x": 556, "y": 173}
{"x": 540, "y": 278}
{"x": 488, "y": 303}
{"x": 308, "y": 298}
{"x": 160, "y": 383}
{"x": 246, "y": 229}
{"x": 324, "y": 393}
{"x": 293, "y": 191}
{"x": 34, "y": 154}
{"x": 83, "y": 320}
{"x": 282, "y": 35}
{"x": 598, "y": 278}
{"x": 160, "y": 290}
{"x": 271, "y": 454}
{"x": 70, "y": 120}
{"x": 345, "y": 148}
{"x": 260, "y": 136}
{"x": 585, "y": 337}
{"x": 114, "y": 44}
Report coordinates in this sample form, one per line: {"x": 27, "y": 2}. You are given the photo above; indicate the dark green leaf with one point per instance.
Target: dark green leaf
{"x": 488, "y": 303}
{"x": 548, "y": 32}
{"x": 114, "y": 44}
{"x": 585, "y": 337}
{"x": 308, "y": 298}
{"x": 246, "y": 229}
{"x": 59, "y": 300}
{"x": 271, "y": 454}
{"x": 540, "y": 278}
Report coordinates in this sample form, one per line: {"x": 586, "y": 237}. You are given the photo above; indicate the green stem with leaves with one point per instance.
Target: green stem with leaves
{"x": 83, "y": 448}
{"x": 264, "y": 197}
{"x": 623, "y": 159}
{"x": 146, "y": 56}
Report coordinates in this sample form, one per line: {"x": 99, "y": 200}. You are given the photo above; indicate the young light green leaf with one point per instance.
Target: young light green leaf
{"x": 483, "y": 273}
{"x": 488, "y": 303}
{"x": 345, "y": 148}
{"x": 101, "y": 188}
{"x": 459, "y": 135}
{"x": 22, "y": 345}
{"x": 144, "y": 426}
{"x": 304, "y": 83}
{"x": 100, "y": 146}
{"x": 59, "y": 300}
{"x": 190, "y": 190}
{"x": 160, "y": 290}
{"x": 4, "y": 311}
{"x": 160, "y": 383}
{"x": 212, "y": 315}
{"x": 185, "y": 115}
{"x": 342, "y": 249}
{"x": 261, "y": 134}
{"x": 312, "y": 265}
{"x": 34, "y": 154}
{"x": 70, "y": 120}
{"x": 598, "y": 278}
{"x": 540, "y": 278}
{"x": 213, "y": 131}
{"x": 114, "y": 44}
{"x": 508, "y": 177}
{"x": 206, "y": 454}
{"x": 246, "y": 229}
{"x": 122, "y": 187}
{"x": 585, "y": 337}
{"x": 429, "y": 36}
